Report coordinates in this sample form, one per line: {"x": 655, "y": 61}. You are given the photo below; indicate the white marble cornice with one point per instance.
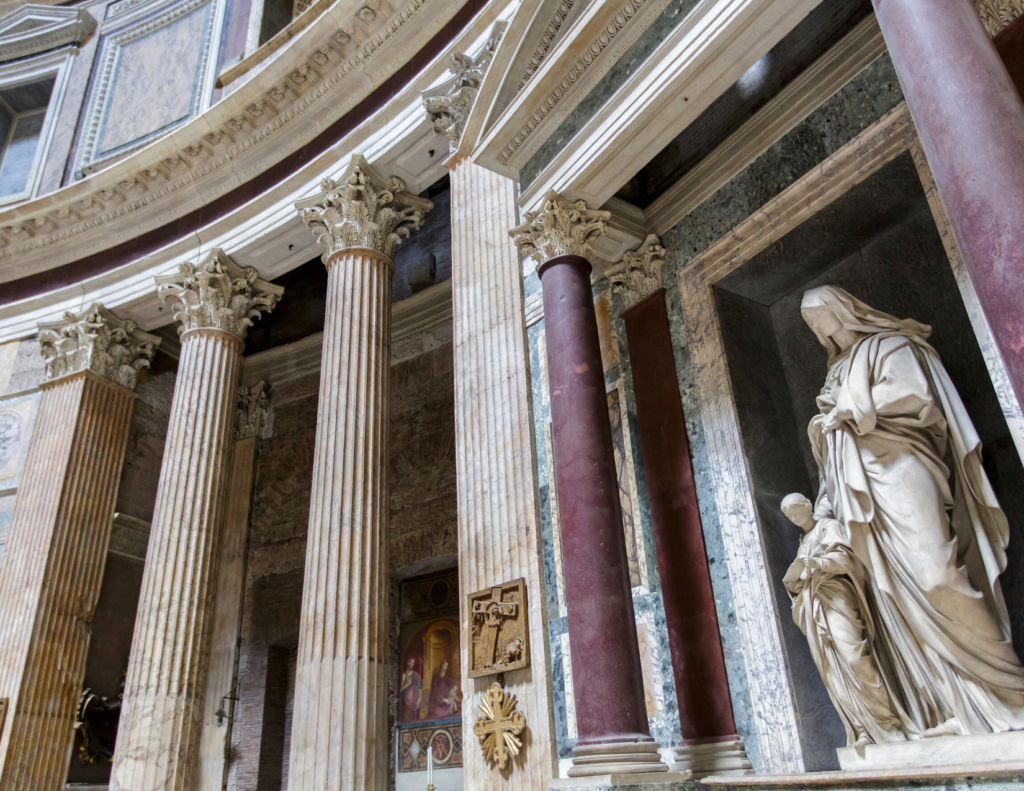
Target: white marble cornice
{"x": 314, "y": 80}
{"x": 36, "y": 28}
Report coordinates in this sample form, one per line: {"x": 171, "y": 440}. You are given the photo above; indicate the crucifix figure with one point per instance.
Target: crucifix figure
{"x": 493, "y": 612}
{"x": 499, "y": 727}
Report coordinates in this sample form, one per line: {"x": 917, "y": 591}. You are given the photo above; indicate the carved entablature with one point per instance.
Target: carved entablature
{"x": 96, "y": 340}
{"x": 642, "y": 275}
{"x": 998, "y": 14}
{"x": 560, "y": 228}
{"x": 218, "y": 294}
{"x": 362, "y": 209}
{"x": 30, "y": 29}
{"x": 251, "y": 412}
{"x": 449, "y": 103}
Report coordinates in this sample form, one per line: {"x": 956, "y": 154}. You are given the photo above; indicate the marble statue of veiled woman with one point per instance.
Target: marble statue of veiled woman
{"x": 900, "y": 464}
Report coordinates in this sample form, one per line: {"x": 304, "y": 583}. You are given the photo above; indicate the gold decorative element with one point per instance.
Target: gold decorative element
{"x": 362, "y": 209}
{"x": 218, "y": 294}
{"x": 96, "y": 721}
{"x": 642, "y": 276}
{"x": 998, "y": 14}
{"x": 560, "y": 228}
{"x": 501, "y": 639}
{"x": 98, "y": 341}
{"x": 499, "y": 726}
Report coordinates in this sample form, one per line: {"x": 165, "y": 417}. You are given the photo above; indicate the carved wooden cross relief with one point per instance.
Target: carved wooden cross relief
{"x": 500, "y": 635}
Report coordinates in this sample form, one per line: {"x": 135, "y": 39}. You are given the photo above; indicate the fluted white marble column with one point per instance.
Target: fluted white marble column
{"x": 339, "y": 725}
{"x": 158, "y": 743}
{"x": 499, "y": 530}
{"x": 57, "y": 546}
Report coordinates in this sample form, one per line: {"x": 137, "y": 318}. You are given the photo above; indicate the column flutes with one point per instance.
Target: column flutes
{"x": 162, "y": 717}
{"x": 339, "y": 726}
{"x": 57, "y": 546}
{"x": 499, "y": 530}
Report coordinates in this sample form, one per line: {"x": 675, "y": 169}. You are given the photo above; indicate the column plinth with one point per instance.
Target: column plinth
{"x": 158, "y": 744}
{"x": 611, "y": 715}
{"x": 339, "y": 726}
{"x": 970, "y": 120}
{"x": 710, "y": 744}
{"x": 56, "y": 550}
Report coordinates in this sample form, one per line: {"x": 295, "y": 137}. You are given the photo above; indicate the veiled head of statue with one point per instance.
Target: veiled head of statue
{"x": 836, "y": 316}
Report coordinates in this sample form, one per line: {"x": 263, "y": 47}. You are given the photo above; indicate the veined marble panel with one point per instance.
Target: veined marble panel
{"x": 17, "y": 415}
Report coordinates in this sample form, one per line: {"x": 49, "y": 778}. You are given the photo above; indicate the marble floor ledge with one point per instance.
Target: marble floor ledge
{"x": 993, "y": 777}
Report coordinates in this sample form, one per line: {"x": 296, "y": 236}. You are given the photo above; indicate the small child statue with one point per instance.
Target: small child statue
{"x": 830, "y": 607}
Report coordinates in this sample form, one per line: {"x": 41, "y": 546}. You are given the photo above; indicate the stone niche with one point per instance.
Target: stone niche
{"x": 878, "y": 241}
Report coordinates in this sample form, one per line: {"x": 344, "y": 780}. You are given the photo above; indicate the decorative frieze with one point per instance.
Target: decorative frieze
{"x": 98, "y": 341}
{"x": 560, "y": 228}
{"x": 362, "y": 209}
{"x": 642, "y": 275}
{"x": 218, "y": 294}
{"x": 449, "y": 103}
{"x": 998, "y": 14}
{"x": 251, "y": 413}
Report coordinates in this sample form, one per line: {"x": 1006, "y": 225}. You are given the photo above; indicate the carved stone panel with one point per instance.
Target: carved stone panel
{"x": 501, "y": 639}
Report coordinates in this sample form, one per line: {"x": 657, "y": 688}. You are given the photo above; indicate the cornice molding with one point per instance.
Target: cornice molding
{"x": 362, "y": 209}
{"x": 96, "y": 340}
{"x": 36, "y": 28}
{"x": 218, "y": 294}
{"x": 322, "y": 74}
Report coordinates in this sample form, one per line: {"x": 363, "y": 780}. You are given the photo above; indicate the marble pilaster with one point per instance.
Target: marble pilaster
{"x": 250, "y": 416}
{"x": 57, "y": 545}
{"x": 499, "y": 530}
{"x": 339, "y": 726}
{"x": 158, "y": 745}
{"x": 611, "y": 715}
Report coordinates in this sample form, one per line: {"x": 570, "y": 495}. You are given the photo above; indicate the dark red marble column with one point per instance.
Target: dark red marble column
{"x": 607, "y": 678}
{"x": 702, "y": 688}
{"x": 971, "y": 122}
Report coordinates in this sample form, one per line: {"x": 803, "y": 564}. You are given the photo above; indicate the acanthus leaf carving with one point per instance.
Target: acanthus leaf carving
{"x": 998, "y": 14}
{"x": 449, "y": 103}
{"x": 362, "y": 209}
{"x": 98, "y": 341}
{"x": 642, "y": 275}
{"x": 251, "y": 412}
{"x": 560, "y": 227}
{"x": 218, "y": 294}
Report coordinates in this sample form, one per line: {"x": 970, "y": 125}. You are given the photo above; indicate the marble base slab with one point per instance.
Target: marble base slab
{"x": 639, "y": 780}
{"x": 941, "y": 751}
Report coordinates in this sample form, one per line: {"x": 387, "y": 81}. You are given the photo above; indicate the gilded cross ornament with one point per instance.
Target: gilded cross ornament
{"x": 362, "y": 209}
{"x": 251, "y": 413}
{"x": 449, "y": 103}
{"x": 499, "y": 726}
{"x": 98, "y": 341}
{"x": 218, "y": 294}
{"x": 560, "y": 227}
{"x": 642, "y": 274}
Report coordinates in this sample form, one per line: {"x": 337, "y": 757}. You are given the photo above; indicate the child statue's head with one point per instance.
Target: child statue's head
{"x": 799, "y": 511}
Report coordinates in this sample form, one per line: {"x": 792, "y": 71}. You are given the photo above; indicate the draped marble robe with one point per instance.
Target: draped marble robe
{"x": 932, "y": 540}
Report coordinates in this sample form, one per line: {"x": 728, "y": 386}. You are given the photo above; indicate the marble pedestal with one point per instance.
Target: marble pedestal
{"x": 721, "y": 757}
{"x": 990, "y": 748}
{"x": 641, "y": 780}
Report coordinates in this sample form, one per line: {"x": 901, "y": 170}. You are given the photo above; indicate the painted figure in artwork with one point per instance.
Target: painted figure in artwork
{"x": 444, "y": 694}
{"x": 900, "y": 470}
{"x": 826, "y": 583}
{"x": 411, "y": 693}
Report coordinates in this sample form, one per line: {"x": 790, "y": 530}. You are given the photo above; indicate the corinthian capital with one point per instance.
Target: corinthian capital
{"x": 218, "y": 294}
{"x": 362, "y": 209}
{"x": 560, "y": 228}
{"x": 96, "y": 340}
{"x": 251, "y": 412}
{"x": 449, "y": 103}
{"x": 642, "y": 275}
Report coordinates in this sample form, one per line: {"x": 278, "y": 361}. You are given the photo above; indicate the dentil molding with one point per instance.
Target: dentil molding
{"x": 218, "y": 294}
{"x": 96, "y": 340}
{"x": 642, "y": 274}
{"x": 362, "y": 209}
{"x": 560, "y": 227}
